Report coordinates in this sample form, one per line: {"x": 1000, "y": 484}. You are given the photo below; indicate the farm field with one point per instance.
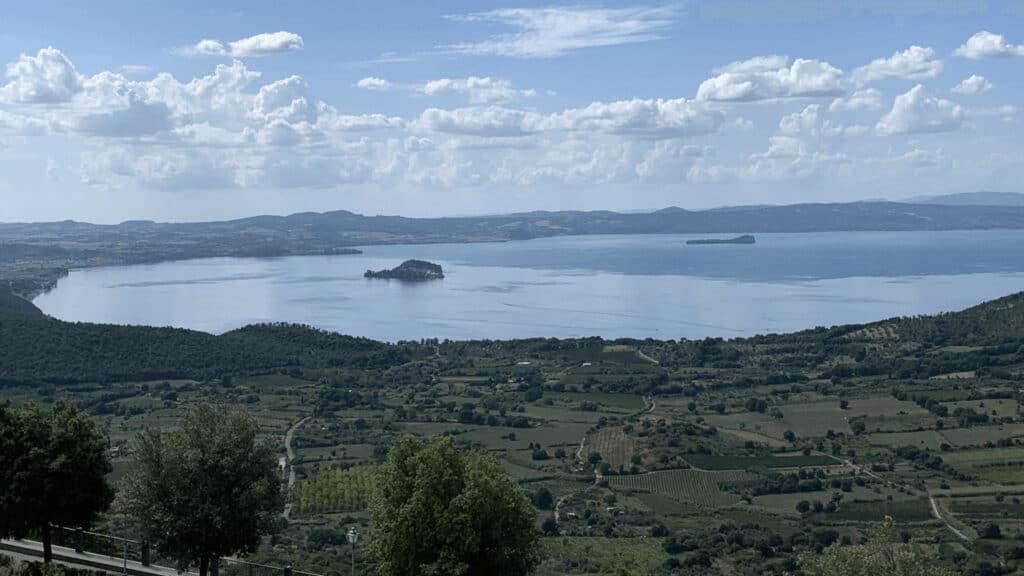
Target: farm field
{"x": 906, "y": 511}
{"x": 980, "y": 435}
{"x": 633, "y": 466}
{"x": 615, "y": 447}
{"x": 1011, "y": 475}
{"x": 608, "y": 403}
{"x": 719, "y": 462}
{"x": 548, "y": 435}
{"x": 786, "y": 503}
{"x": 614, "y": 555}
{"x": 982, "y": 456}
{"x": 816, "y": 418}
{"x": 1000, "y": 408}
{"x": 976, "y": 436}
{"x": 336, "y": 490}
{"x": 930, "y": 439}
{"x": 690, "y": 486}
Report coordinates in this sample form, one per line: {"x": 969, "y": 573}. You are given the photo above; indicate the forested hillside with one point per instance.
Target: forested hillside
{"x": 37, "y": 348}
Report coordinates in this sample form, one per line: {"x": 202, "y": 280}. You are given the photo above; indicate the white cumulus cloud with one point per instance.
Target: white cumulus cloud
{"x": 358, "y": 122}
{"x": 46, "y": 78}
{"x": 974, "y": 85}
{"x": 914, "y": 63}
{"x": 207, "y": 47}
{"x": 137, "y": 117}
{"x": 638, "y": 118}
{"x": 374, "y": 83}
{"x": 266, "y": 44}
{"x": 285, "y": 100}
{"x": 797, "y": 150}
{"x": 28, "y": 125}
{"x": 485, "y": 90}
{"x": 868, "y": 99}
{"x": 986, "y": 44}
{"x": 254, "y": 46}
{"x": 917, "y": 112}
{"x": 645, "y": 118}
{"x": 230, "y": 128}
{"x": 772, "y": 77}
{"x": 492, "y": 121}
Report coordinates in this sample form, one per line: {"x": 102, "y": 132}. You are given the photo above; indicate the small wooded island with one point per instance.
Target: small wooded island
{"x": 411, "y": 271}
{"x": 745, "y": 239}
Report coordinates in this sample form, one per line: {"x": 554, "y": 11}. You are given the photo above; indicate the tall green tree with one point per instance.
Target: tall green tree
{"x": 438, "y": 511}
{"x": 53, "y": 472}
{"x": 206, "y": 490}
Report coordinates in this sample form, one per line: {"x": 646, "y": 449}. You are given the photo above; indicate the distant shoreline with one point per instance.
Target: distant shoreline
{"x": 34, "y": 256}
{"x": 358, "y": 249}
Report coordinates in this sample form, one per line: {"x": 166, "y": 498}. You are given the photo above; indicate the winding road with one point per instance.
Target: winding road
{"x": 289, "y": 458}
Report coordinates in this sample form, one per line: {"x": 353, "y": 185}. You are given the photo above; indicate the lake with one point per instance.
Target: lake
{"x": 612, "y": 286}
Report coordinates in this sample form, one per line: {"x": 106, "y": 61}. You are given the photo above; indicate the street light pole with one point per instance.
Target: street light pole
{"x": 352, "y": 537}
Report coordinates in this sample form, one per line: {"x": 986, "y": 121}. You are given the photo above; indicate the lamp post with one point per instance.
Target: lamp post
{"x": 352, "y": 537}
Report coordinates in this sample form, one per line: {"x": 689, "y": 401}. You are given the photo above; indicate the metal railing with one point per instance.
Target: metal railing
{"x": 235, "y": 567}
{"x": 102, "y": 544}
{"x": 128, "y": 550}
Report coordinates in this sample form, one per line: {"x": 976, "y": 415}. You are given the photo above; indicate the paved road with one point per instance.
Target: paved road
{"x": 288, "y": 438}
{"x": 288, "y": 463}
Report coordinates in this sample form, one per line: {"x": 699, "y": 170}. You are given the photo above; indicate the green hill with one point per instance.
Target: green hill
{"x": 35, "y": 348}
{"x": 986, "y": 324}
{"x": 11, "y": 305}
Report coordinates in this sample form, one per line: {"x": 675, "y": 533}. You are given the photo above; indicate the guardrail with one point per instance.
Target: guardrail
{"x": 134, "y": 556}
{"x": 104, "y": 544}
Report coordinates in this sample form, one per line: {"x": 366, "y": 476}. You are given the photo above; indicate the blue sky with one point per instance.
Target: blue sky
{"x": 121, "y": 110}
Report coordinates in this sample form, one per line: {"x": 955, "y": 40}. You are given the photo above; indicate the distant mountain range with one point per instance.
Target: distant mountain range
{"x": 34, "y": 256}
{"x": 972, "y": 199}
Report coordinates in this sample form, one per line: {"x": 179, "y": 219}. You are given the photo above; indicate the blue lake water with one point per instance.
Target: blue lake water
{"x": 613, "y": 286}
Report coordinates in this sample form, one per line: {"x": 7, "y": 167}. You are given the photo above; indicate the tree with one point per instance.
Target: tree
{"x": 991, "y": 531}
{"x": 858, "y": 426}
{"x": 438, "y": 511}
{"x": 208, "y": 489}
{"x": 53, "y": 473}
{"x": 549, "y": 526}
{"x": 544, "y": 499}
